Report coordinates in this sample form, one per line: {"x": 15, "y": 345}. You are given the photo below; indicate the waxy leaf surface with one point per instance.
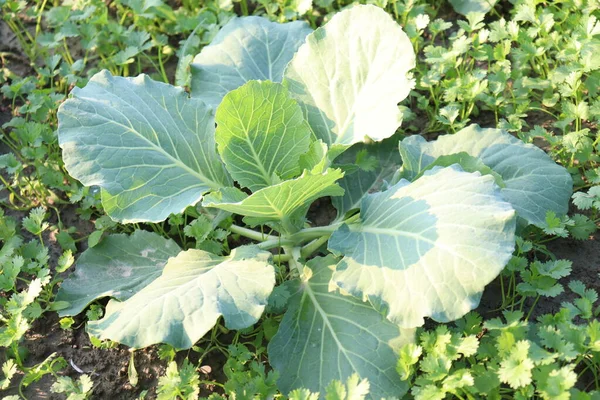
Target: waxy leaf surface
{"x": 533, "y": 182}
{"x": 261, "y": 134}
{"x": 325, "y": 336}
{"x": 351, "y": 74}
{"x": 146, "y": 144}
{"x": 247, "y": 48}
{"x": 427, "y": 248}
{"x": 185, "y": 302}
{"x": 119, "y": 266}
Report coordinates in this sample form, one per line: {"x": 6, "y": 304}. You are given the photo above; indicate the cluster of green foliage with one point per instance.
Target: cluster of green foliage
{"x": 533, "y": 61}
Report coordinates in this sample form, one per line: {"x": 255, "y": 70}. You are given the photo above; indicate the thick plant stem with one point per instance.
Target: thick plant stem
{"x": 281, "y": 258}
{"x": 313, "y": 246}
{"x": 277, "y": 242}
{"x": 320, "y": 231}
{"x": 305, "y": 251}
{"x": 249, "y": 233}
{"x": 294, "y": 254}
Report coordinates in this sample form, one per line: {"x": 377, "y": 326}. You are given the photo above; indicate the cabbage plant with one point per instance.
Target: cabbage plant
{"x": 278, "y": 117}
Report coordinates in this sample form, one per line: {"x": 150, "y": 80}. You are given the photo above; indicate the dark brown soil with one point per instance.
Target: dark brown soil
{"x": 107, "y": 367}
{"x": 585, "y": 255}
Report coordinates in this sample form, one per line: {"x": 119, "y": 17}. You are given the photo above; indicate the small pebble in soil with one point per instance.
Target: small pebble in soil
{"x": 206, "y": 369}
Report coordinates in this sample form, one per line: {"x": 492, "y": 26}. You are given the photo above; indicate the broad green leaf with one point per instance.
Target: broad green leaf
{"x": 245, "y": 49}
{"x": 465, "y": 7}
{"x": 467, "y": 163}
{"x": 185, "y": 302}
{"x": 286, "y": 201}
{"x": 325, "y": 336}
{"x": 350, "y": 75}
{"x": 316, "y": 158}
{"x": 534, "y": 184}
{"x": 261, "y": 133}
{"x": 147, "y": 144}
{"x": 118, "y": 267}
{"x": 427, "y": 248}
{"x": 358, "y": 183}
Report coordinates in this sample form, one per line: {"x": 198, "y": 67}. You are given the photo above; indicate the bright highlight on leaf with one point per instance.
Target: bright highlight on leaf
{"x": 145, "y": 143}
{"x": 534, "y": 184}
{"x": 427, "y": 248}
{"x": 325, "y": 336}
{"x": 247, "y": 48}
{"x": 351, "y": 74}
{"x": 185, "y": 302}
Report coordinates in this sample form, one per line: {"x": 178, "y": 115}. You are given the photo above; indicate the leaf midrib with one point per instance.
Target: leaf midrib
{"x": 327, "y": 324}
{"x": 178, "y": 162}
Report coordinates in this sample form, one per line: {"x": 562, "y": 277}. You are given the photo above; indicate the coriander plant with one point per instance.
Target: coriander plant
{"x": 279, "y": 117}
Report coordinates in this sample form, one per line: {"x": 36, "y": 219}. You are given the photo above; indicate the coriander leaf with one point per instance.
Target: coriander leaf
{"x": 582, "y": 227}
{"x": 585, "y": 201}
{"x": 516, "y": 369}
{"x": 34, "y": 222}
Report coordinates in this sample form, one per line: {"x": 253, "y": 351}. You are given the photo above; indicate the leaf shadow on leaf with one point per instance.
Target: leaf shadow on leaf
{"x": 298, "y": 91}
{"x": 380, "y": 241}
{"x": 533, "y": 182}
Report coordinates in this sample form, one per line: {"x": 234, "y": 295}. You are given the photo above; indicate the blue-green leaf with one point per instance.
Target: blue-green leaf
{"x": 245, "y": 49}
{"x": 326, "y": 336}
{"x": 361, "y": 181}
{"x": 146, "y": 144}
{"x": 195, "y": 289}
{"x": 465, "y": 7}
{"x": 118, "y": 267}
{"x": 427, "y": 248}
{"x": 533, "y": 183}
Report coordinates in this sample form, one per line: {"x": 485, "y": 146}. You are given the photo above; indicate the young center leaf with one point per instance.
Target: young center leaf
{"x": 351, "y": 74}
{"x": 185, "y": 302}
{"x": 325, "y": 336}
{"x": 246, "y": 48}
{"x": 261, "y": 134}
{"x": 287, "y": 201}
{"x": 117, "y": 267}
{"x": 533, "y": 183}
{"x": 427, "y": 248}
{"x": 146, "y": 144}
